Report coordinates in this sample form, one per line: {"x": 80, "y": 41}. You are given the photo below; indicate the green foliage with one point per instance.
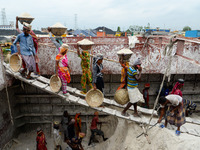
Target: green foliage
{"x": 187, "y": 28}
{"x": 118, "y": 29}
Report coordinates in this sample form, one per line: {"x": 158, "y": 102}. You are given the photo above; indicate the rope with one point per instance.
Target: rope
{"x": 168, "y": 47}
{"x": 4, "y": 76}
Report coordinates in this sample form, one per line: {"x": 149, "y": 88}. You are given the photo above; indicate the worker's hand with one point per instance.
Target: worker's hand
{"x": 95, "y": 87}
{"x": 49, "y": 29}
{"x": 159, "y": 121}
{"x": 140, "y": 68}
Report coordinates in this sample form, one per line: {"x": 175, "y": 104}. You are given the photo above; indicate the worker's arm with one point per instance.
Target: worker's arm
{"x": 15, "y": 44}
{"x": 177, "y": 107}
{"x": 17, "y": 27}
{"x": 161, "y": 115}
{"x": 138, "y": 76}
{"x": 53, "y": 39}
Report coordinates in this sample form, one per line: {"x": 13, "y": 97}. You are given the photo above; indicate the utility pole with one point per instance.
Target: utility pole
{"x": 3, "y": 16}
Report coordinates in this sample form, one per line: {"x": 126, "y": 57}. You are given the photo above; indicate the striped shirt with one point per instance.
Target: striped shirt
{"x": 131, "y": 80}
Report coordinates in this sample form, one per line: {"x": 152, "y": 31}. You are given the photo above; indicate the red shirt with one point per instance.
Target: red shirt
{"x": 95, "y": 120}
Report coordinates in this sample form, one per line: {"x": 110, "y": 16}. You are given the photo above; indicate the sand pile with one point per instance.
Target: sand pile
{"x": 125, "y": 135}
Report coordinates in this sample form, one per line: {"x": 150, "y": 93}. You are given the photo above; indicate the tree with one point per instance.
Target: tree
{"x": 187, "y": 28}
{"x": 118, "y": 29}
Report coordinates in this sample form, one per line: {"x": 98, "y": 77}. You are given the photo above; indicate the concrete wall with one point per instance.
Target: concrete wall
{"x": 6, "y": 127}
{"x": 187, "y": 60}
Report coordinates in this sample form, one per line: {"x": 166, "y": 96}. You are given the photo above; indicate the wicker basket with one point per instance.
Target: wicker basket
{"x": 94, "y": 98}
{"x": 121, "y": 96}
{"x": 15, "y": 62}
{"x": 58, "y": 31}
{"x": 127, "y": 53}
{"x": 25, "y": 17}
{"x": 27, "y": 20}
{"x": 85, "y": 44}
{"x": 55, "y": 83}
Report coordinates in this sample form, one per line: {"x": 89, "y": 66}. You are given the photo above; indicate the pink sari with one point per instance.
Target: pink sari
{"x": 63, "y": 70}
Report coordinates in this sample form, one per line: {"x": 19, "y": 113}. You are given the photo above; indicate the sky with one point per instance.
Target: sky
{"x": 168, "y": 14}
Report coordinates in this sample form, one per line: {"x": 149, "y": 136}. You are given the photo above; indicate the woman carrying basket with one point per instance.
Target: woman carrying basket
{"x": 62, "y": 67}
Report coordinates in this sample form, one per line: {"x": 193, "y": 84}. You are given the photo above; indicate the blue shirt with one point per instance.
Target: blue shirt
{"x": 26, "y": 44}
{"x": 131, "y": 81}
{"x": 13, "y": 49}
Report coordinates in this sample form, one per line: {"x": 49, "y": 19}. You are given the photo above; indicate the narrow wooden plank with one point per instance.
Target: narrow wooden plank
{"x": 40, "y": 84}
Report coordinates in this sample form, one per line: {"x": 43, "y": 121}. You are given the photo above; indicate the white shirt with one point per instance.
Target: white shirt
{"x": 175, "y": 100}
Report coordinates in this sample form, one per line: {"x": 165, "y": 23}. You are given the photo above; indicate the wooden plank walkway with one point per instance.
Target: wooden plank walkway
{"x": 76, "y": 97}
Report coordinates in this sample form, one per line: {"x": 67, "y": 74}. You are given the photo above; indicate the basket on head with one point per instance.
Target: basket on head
{"x": 121, "y": 96}
{"x": 15, "y": 62}
{"x": 85, "y": 44}
{"x": 25, "y": 17}
{"x": 55, "y": 83}
{"x": 94, "y": 98}
{"x": 58, "y": 29}
{"x": 126, "y": 52}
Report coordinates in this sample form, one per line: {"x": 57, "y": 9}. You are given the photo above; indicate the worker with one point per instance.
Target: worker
{"x": 71, "y": 129}
{"x": 86, "y": 78}
{"x": 56, "y": 41}
{"x": 190, "y": 107}
{"x": 175, "y": 113}
{"x": 27, "y": 50}
{"x": 76, "y": 143}
{"x": 132, "y": 83}
{"x": 177, "y": 87}
{"x": 41, "y": 141}
{"x": 125, "y": 66}
{"x": 57, "y": 136}
{"x": 62, "y": 67}
{"x": 94, "y": 128}
{"x": 146, "y": 95}
{"x": 78, "y": 123}
{"x": 35, "y": 41}
{"x": 66, "y": 118}
{"x": 98, "y": 82}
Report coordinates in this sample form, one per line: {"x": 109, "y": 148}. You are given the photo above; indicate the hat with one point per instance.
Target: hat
{"x": 65, "y": 46}
{"x": 147, "y": 85}
{"x": 81, "y": 135}
{"x": 181, "y": 81}
{"x": 137, "y": 62}
{"x": 27, "y": 26}
{"x": 96, "y": 113}
{"x": 85, "y": 42}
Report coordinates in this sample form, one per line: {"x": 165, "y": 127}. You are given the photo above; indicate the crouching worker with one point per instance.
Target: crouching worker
{"x": 75, "y": 143}
{"x": 94, "y": 128}
{"x": 190, "y": 107}
{"x": 175, "y": 113}
{"x": 62, "y": 67}
{"x": 41, "y": 141}
{"x": 57, "y": 136}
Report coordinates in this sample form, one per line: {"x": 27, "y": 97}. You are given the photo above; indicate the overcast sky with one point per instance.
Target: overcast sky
{"x": 172, "y": 14}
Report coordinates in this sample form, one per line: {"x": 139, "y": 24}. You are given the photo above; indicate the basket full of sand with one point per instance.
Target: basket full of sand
{"x": 25, "y": 17}
{"x": 15, "y": 62}
{"x": 125, "y": 53}
{"x": 94, "y": 98}
{"x": 55, "y": 83}
{"x": 58, "y": 29}
{"x": 121, "y": 96}
{"x": 85, "y": 44}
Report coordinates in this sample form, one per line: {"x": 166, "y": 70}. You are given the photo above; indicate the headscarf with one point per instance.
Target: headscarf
{"x": 27, "y": 26}
{"x": 81, "y": 135}
{"x": 99, "y": 56}
{"x": 96, "y": 113}
{"x": 39, "y": 130}
{"x": 137, "y": 62}
{"x": 176, "y": 89}
{"x": 63, "y": 48}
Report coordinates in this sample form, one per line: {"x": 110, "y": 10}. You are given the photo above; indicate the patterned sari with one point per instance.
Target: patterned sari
{"x": 63, "y": 70}
{"x": 41, "y": 142}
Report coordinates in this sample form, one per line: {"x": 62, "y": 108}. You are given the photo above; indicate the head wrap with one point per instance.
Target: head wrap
{"x": 39, "y": 130}
{"x": 176, "y": 89}
{"x": 81, "y": 135}
{"x": 27, "y": 26}
{"x": 147, "y": 85}
{"x": 99, "y": 56}
{"x": 137, "y": 62}
{"x": 63, "y": 48}
{"x": 96, "y": 113}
